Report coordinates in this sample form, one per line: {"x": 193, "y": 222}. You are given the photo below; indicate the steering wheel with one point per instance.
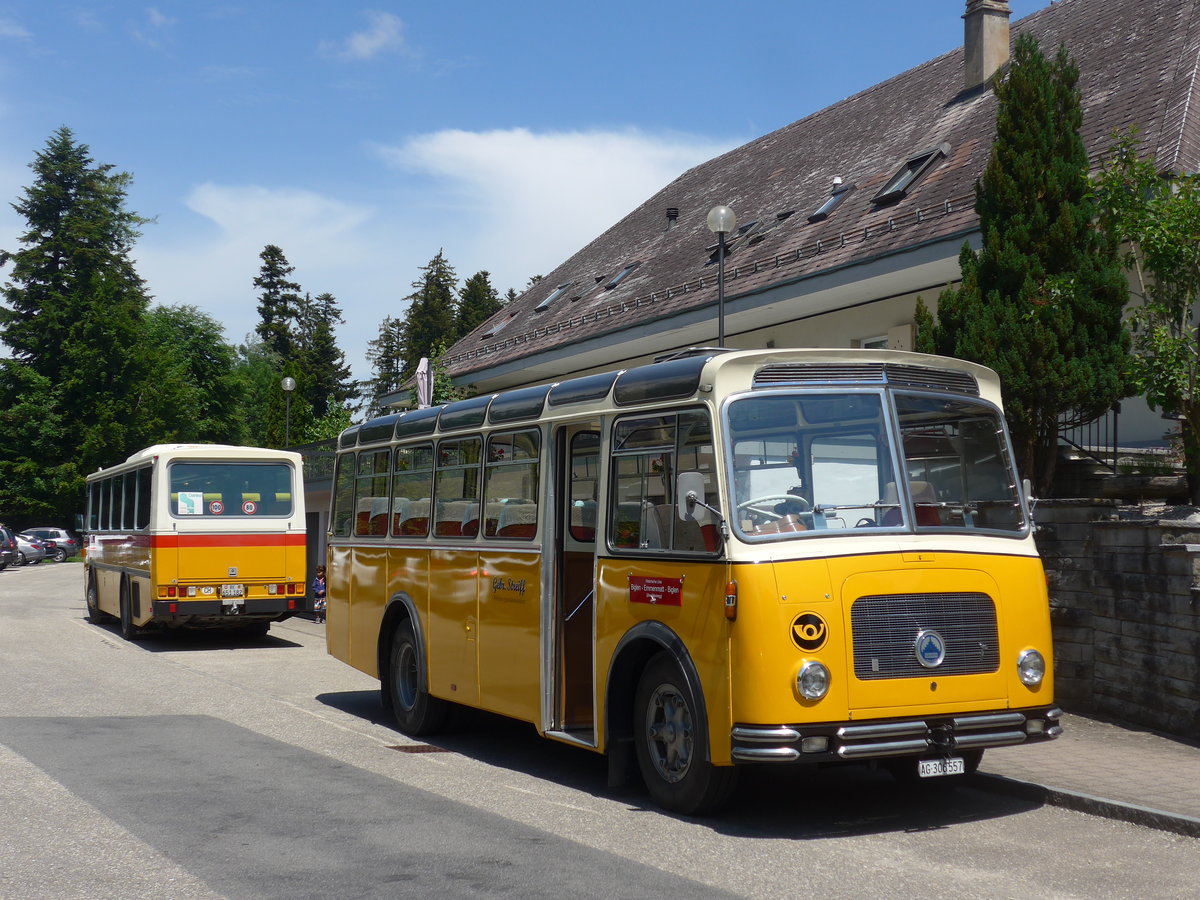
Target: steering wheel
{"x": 756, "y": 504}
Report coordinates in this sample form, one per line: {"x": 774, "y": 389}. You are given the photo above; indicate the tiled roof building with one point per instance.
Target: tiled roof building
{"x": 802, "y": 274}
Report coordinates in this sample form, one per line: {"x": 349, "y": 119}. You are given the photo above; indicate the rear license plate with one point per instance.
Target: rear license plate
{"x": 232, "y": 590}
{"x": 932, "y": 768}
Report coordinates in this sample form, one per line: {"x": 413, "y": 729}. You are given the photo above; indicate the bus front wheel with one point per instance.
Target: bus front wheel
{"x": 416, "y": 712}
{"x": 670, "y": 744}
{"x": 95, "y": 616}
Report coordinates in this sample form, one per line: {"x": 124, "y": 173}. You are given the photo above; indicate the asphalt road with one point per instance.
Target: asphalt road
{"x": 219, "y": 766}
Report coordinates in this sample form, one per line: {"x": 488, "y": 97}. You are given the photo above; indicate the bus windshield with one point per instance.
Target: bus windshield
{"x": 230, "y": 489}
{"x": 807, "y": 463}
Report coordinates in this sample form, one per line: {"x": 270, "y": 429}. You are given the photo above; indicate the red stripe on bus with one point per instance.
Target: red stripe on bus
{"x": 169, "y": 541}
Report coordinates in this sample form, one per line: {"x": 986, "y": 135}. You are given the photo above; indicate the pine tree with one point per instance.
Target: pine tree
{"x": 278, "y": 302}
{"x": 322, "y": 361}
{"x": 478, "y": 301}
{"x": 1041, "y": 303}
{"x": 74, "y": 321}
{"x": 430, "y": 317}
{"x": 387, "y": 369}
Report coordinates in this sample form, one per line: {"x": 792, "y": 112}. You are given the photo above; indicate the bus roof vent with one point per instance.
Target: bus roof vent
{"x": 819, "y": 373}
{"x": 938, "y": 379}
{"x": 865, "y": 373}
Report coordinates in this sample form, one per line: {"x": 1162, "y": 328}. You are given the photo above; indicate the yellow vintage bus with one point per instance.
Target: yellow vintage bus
{"x": 196, "y": 536}
{"x": 723, "y": 558}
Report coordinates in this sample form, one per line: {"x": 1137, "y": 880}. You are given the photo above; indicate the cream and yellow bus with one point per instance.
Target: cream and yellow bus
{"x": 725, "y": 558}
{"x": 196, "y": 536}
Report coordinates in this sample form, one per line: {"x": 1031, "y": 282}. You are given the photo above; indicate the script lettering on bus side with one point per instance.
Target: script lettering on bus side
{"x": 508, "y": 585}
{"x": 657, "y": 591}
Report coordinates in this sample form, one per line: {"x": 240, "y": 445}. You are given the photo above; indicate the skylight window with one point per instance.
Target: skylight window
{"x": 910, "y": 173}
{"x": 620, "y": 276}
{"x": 496, "y": 328}
{"x": 556, "y": 294}
{"x": 836, "y": 198}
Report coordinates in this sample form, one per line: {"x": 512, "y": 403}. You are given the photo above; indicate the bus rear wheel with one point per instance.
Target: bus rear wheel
{"x": 416, "y": 712}
{"x": 129, "y": 631}
{"x": 670, "y": 744}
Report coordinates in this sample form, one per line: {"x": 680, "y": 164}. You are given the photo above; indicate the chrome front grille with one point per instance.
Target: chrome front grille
{"x": 885, "y": 628}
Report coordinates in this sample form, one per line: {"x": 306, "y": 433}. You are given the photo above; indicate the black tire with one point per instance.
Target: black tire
{"x": 20, "y": 560}
{"x": 129, "y": 631}
{"x": 671, "y": 744}
{"x": 256, "y": 629}
{"x": 92, "y": 598}
{"x": 60, "y": 555}
{"x": 416, "y": 712}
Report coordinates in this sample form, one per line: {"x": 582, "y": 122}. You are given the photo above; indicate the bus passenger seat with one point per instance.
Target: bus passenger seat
{"x": 470, "y": 520}
{"x": 518, "y": 520}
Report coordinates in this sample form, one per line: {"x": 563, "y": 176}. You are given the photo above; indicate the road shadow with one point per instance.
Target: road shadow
{"x": 158, "y": 640}
{"x": 772, "y": 801}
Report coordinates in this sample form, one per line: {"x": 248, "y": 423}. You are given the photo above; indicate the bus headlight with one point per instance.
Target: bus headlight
{"x": 1031, "y": 667}
{"x": 812, "y": 682}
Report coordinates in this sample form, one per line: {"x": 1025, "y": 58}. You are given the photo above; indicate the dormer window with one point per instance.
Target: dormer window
{"x": 909, "y": 174}
{"x": 836, "y": 198}
{"x": 556, "y": 294}
{"x": 621, "y": 276}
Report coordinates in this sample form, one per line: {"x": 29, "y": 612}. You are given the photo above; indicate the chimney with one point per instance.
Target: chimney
{"x": 985, "y": 39}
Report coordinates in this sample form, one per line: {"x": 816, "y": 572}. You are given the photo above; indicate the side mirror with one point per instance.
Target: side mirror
{"x": 689, "y": 498}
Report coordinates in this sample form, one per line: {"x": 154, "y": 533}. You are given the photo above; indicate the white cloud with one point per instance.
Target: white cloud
{"x": 323, "y": 238}
{"x": 384, "y": 32}
{"x": 526, "y": 201}
{"x": 514, "y": 202}
{"x": 11, "y": 29}
{"x": 154, "y": 29}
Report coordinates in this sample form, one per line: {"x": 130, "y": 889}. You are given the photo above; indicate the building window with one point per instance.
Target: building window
{"x": 839, "y": 194}
{"x": 621, "y": 276}
{"x": 875, "y": 343}
{"x": 554, "y": 295}
{"x": 909, "y": 174}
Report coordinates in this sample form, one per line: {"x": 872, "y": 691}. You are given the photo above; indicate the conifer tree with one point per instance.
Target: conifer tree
{"x": 430, "y": 317}
{"x": 478, "y": 301}
{"x": 278, "y": 302}
{"x": 1041, "y": 303}
{"x": 322, "y": 361}
{"x": 387, "y": 369}
{"x": 73, "y": 318}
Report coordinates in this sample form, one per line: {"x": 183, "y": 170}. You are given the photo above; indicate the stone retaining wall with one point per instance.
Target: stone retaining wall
{"x": 1125, "y": 606}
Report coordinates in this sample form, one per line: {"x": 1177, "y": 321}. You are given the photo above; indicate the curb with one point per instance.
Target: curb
{"x": 1188, "y": 826}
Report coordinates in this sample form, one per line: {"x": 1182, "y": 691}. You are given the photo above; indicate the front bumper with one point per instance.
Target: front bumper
{"x": 883, "y": 738}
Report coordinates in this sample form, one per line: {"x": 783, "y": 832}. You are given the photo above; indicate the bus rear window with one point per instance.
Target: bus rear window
{"x": 238, "y": 490}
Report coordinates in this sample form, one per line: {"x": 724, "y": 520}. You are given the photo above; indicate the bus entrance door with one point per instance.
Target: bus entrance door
{"x": 578, "y": 474}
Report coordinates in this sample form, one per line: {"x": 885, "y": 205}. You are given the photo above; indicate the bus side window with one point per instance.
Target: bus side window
{"x": 371, "y": 493}
{"x": 412, "y": 486}
{"x": 456, "y": 484}
{"x": 511, "y": 486}
{"x": 343, "y": 496}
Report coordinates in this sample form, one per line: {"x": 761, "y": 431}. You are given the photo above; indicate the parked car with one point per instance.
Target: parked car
{"x": 8, "y": 547}
{"x": 65, "y": 546}
{"x": 30, "y": 550}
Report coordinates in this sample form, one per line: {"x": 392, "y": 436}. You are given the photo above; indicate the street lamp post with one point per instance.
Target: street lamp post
{"x": 721, "y": 221}
{"x": 288, "y": 384}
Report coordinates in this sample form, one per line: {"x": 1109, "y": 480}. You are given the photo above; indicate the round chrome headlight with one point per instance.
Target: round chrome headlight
{"x": 812, "y": 682}
{"x": 1031, "y": 667}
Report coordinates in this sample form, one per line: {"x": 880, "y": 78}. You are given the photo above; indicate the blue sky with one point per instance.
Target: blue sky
{"x": 364, "y": 138}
